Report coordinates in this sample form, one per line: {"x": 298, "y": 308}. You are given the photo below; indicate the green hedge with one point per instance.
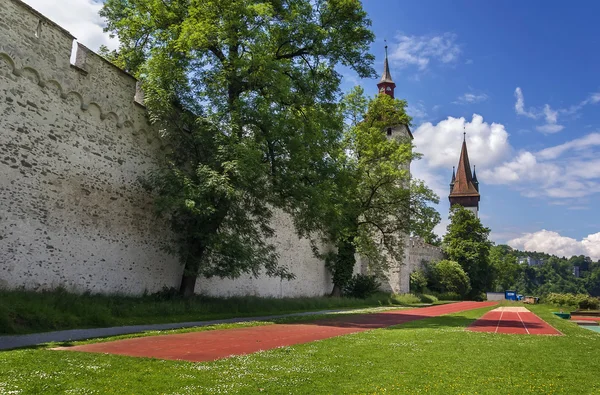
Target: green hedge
{"x": 579, "y": 301}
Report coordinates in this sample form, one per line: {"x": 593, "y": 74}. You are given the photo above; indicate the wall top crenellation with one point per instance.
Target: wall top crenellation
{"x": 43, "y": 18}
{"x": 34, "y": 45}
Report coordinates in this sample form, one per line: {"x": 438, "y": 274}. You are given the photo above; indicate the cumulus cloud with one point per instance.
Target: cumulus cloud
{"x": 420, "y": 51}
{"x": 553, "y": 243}
{"x": 80, "y": 18}
{"x": 559, "y": 172}
{"x": 469, "y": 98}
{"x": 441, "y": 143}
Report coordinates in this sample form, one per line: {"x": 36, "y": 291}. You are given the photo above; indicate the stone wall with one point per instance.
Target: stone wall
{"x": 419, "y": 252}
{"x": 74, "y": 141}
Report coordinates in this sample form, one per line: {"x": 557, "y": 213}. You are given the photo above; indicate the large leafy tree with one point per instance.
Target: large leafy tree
{"x": 246, "y": 92}
{"x": 505, "y": 267}
{"x": 374, "y": 204}
{"x": 467, "y": 243}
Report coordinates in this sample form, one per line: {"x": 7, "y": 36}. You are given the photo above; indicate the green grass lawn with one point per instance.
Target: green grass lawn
{"x": 435, "y": 355}
{"x": 30, "y": 312}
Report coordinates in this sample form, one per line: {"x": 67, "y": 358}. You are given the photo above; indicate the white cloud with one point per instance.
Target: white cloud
{"x": 469, "y": 98}
{"x": 550, "y": 115}
{"x": 417, "y": 110}
{"x": 421, "y": 50}
{"x": 589, "y": 141}
{"x": 440, "y": 144}
{"x": 80, "y": 18}
{"x": 553, "y": 243}
{"x": 562, "y": 171}
{"x": 520, "y": 105}
{"x": 549, "y": 128}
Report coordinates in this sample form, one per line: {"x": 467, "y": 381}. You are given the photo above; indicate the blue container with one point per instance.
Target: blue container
{"x": 519, "y": 297}
{"x": 510, "y": 295}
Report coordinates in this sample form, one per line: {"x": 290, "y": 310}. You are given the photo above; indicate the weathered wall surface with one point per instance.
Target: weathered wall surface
{"x": 72, "y": 145}
{"x": 418, "y": 252}
{"x": 312, "y": 279}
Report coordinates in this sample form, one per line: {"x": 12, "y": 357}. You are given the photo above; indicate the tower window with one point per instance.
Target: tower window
{"x": 38, "y": 29}
{"x": 389, "y": 131}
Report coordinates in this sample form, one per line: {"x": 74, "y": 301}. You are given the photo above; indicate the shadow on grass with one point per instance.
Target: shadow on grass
{"x": 391, "y": 321}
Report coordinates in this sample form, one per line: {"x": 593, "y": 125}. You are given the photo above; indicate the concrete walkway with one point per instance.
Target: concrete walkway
{"x": 16, "y": 341}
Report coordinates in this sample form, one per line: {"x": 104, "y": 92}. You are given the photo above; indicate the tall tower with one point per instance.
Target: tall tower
{"x": 464, "y": 187}
{"x": 386, "y": 84}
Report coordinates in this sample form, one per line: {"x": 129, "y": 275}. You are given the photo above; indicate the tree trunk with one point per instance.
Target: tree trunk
{"x": 188, "y": 284}
{"x": 337, "y": 291}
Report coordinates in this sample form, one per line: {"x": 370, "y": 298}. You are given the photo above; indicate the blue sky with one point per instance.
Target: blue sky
{"x": 522, "y": 76}
{"x": 539, "y": 165}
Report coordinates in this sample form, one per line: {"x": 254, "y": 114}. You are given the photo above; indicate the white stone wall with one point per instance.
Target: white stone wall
{"x": 72, "y": 145}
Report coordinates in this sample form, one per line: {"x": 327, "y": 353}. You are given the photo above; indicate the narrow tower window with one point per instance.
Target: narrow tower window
{"x": 38, "y": 29}
{"x": 389, "y": 131}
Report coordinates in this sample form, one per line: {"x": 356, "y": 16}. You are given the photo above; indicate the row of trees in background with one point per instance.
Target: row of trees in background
{"x": 474, "y": 265}
{"x": 546, "y": 274}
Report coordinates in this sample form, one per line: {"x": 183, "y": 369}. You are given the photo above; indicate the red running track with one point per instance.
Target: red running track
{"x": 525, "y": 322}
{"x": 216, "y": 344}
{"x": 585, "y": 318}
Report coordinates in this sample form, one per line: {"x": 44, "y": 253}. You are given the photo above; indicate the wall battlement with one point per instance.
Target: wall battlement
{"x": 34, "y": 46}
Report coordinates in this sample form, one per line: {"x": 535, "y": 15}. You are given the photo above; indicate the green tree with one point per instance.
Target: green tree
{"x": 467, "y": 243}
{"x": 375, "y": 204}
{"x": 449, "y": 276}
{"x": 246, "y": 93}
{"x": 505, "y": 267}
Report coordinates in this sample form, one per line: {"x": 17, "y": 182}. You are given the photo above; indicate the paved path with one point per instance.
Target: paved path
{"x": 15, "y": 341}
{"x": 211, "y": 345}
{"x": 513, "y": 320}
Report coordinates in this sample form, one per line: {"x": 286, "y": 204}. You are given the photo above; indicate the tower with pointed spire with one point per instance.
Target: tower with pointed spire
{"x": 464, "y": 187}
{"x": 386, "y": 84}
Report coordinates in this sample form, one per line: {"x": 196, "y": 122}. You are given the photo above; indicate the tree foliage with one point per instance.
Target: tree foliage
{"x": 449, "y": 276}
{"x": 246, "y": 93}
{"x": 547, "y": 273}
{"x": 373, "y": 204}
{"x": 467, "y": 243}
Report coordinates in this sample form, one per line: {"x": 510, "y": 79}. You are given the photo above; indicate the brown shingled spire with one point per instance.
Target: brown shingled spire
{"x": 464, "y": 191}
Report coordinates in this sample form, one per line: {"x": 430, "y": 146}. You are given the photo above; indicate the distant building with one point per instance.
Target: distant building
{"x": 530, "y": 261}
{"x": 576, "y": 271}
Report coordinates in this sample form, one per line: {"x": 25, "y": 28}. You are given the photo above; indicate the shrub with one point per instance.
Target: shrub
{"x": 418, "y": 281}
{"x": 579, "y": 301}
{"x": 427, "y": 298}
{"x": 405, "y": 299}
{"x": 362, "y": 286}
{"x": 450, "y": 277}
{"x": 448, "y": 296}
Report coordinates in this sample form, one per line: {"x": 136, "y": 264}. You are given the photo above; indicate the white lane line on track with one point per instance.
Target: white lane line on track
{"x": 524, "y": 326}
{"x": 499, "y": 320}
